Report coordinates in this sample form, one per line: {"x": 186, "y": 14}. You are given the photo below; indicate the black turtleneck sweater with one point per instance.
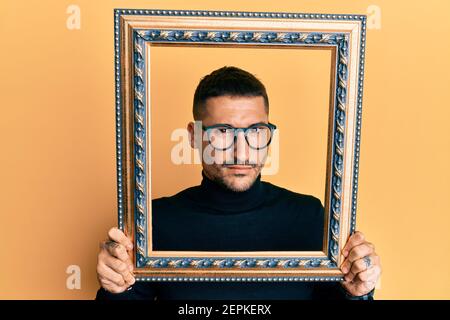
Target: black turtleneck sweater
{"x": 210, "y": 217}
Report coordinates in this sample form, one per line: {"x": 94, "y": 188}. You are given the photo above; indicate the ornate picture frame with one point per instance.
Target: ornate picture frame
{"x": 135, "y": 31}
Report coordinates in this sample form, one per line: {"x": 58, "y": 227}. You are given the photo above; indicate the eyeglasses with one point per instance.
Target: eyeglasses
{"x": 223, "y": 136}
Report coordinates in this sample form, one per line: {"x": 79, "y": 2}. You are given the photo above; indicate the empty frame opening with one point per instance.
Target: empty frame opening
{"x": 298, "y": 82}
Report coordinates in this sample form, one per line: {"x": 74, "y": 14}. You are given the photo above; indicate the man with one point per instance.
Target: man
{"x": 233, "y": 107}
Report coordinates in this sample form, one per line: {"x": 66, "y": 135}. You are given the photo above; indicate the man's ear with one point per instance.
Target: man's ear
{"x": 191, "y": 130}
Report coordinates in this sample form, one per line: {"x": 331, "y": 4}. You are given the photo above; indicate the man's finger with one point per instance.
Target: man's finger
{"x": 116, "y": 250}
{"x": 118, "y": 236}
{"x": 118, "y": 266}
{"x": 356, "y": 253}
{"x": 370, "y": 275}
{"x": 111, "y": 287}
{"x": 355, "y": 239}
{"x": 106, "y": 273}
{"x": 358, "y": 288}
{"x": 362, "y": 265}
{"x": 360, "y": 252}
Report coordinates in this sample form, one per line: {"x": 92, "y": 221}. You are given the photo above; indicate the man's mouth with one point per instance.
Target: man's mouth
{"x": 238, "y": 167}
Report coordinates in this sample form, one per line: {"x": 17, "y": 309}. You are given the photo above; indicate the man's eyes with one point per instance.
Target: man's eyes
{"x": 225, "y": 130}
{"x": 251, "y": 129}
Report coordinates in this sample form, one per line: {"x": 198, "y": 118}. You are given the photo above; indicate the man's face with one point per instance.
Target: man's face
{"x": 237, "y": 167}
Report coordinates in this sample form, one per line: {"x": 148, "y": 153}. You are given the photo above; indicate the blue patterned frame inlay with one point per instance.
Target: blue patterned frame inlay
{"x": 339, "y": 40}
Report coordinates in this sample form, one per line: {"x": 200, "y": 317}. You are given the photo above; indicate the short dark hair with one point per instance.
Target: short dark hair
{"x": 227, "y": 81}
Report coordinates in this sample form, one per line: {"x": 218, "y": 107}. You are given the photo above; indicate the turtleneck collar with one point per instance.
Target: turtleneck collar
{"x": 220, "y": 199}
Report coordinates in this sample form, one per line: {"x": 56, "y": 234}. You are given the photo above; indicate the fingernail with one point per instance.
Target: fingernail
{"x": 130, "y": 246}
{"x": 130, "y": 267}
{"x": 345, "y": 253}
{"x": 345, "y": 269}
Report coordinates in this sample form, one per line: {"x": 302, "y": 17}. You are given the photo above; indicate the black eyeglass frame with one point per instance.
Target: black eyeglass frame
{"x": 269, "y": 125}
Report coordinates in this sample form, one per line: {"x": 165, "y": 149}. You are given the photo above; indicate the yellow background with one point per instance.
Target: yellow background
{"x": 57, "y": 134}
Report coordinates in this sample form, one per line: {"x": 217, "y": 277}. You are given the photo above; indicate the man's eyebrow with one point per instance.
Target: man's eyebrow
{"x": 222, "y": 124}
{"x": 257, "y": 123}
{"x": 229, "y": 125}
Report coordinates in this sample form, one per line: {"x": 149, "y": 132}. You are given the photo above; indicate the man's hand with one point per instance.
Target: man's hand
{"x": 114, "y": 266}
{"x": 361, "y": 266}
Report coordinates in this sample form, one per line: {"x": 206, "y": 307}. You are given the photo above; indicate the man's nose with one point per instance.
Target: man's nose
{"x": 241, "y": 148}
